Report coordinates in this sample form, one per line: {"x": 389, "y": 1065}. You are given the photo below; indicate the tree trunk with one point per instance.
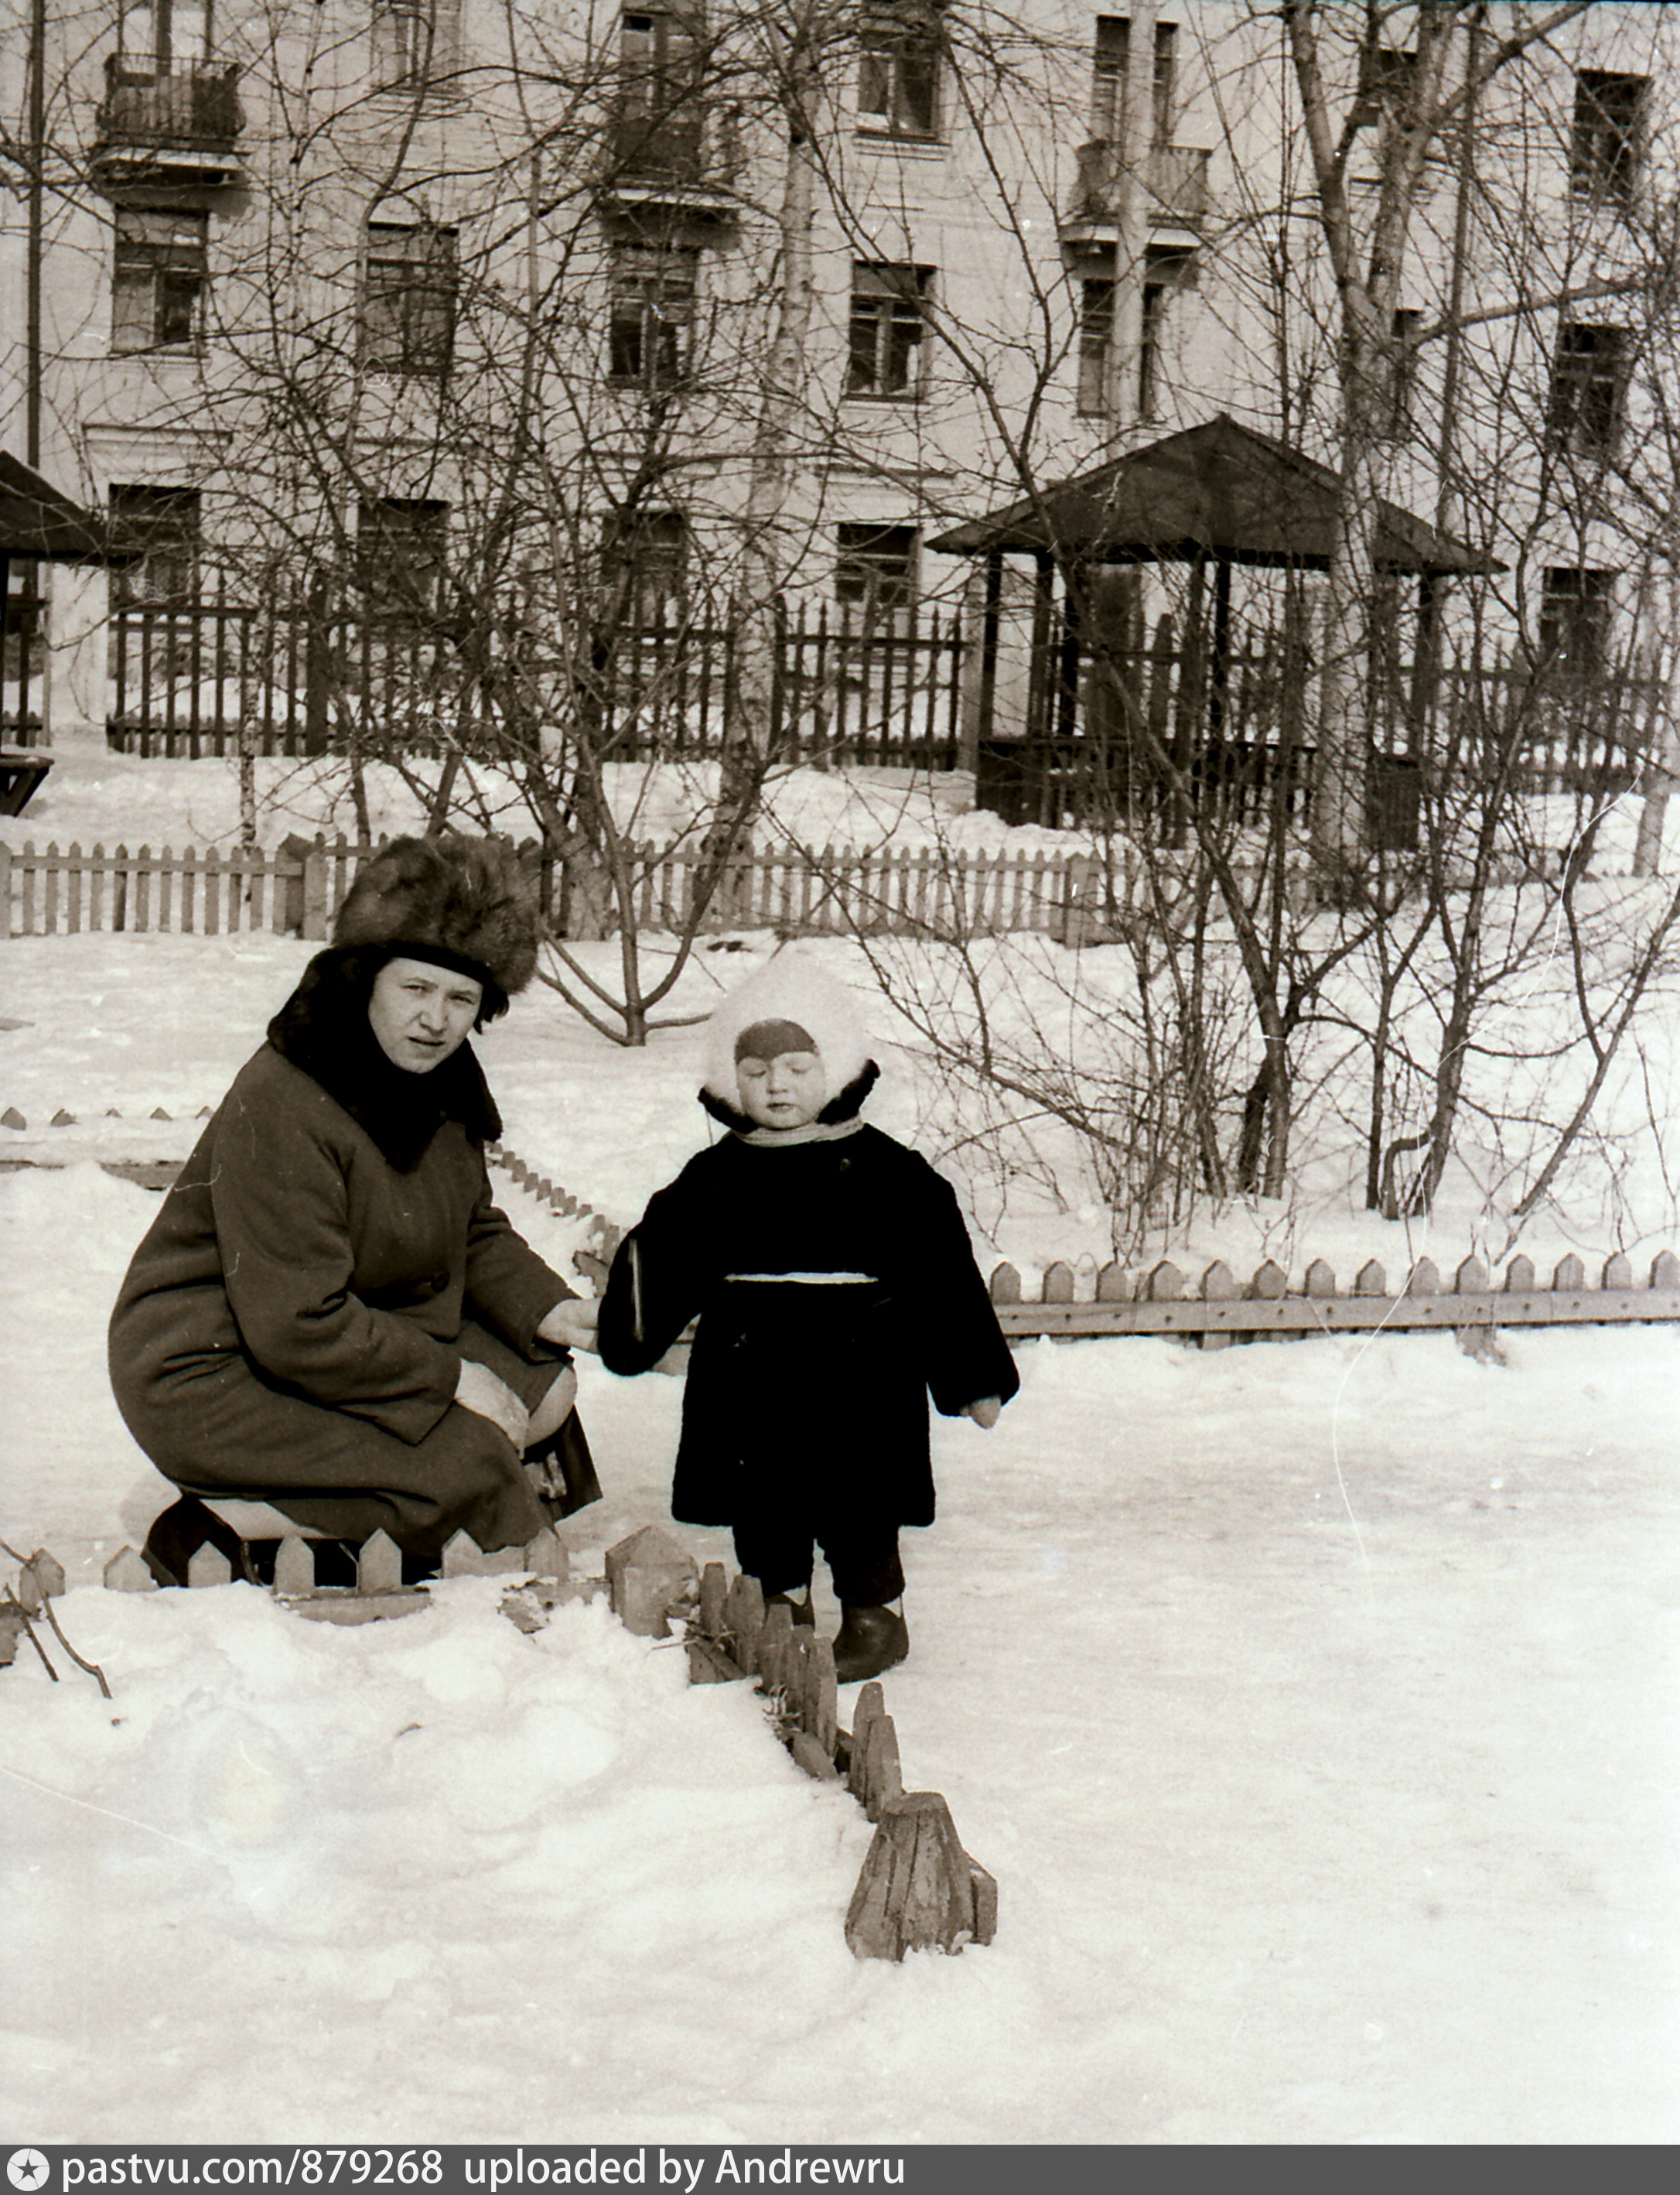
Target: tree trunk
{"x": 766, "y": 557}
{"x": 1367, "y": 271}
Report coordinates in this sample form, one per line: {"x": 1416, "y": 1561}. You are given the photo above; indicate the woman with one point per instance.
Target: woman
{"x": 329, "y": 1315}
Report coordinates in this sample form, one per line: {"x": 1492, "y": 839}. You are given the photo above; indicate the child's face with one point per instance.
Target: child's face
{"x": 787, "y": 1092}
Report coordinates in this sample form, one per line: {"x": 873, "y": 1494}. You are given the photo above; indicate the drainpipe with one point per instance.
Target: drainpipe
{"x": 1131, "y": 225}
{"x": 38, "y": 161}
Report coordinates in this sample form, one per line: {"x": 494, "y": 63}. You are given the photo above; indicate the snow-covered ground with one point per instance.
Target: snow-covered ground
{"x": 92, "y": 798}
{"x": 1316, "y": 1706}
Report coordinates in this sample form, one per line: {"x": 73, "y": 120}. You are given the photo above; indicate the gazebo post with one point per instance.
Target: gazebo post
{"x": 1219, "y": 663}
{"x": 1188, "y": 703}
{"x": 1038, "y": 666}
{"x": 1036, "y": 759}
{"x": 1067, "y": 694}
{"x": 990, "y": 624}
{"x": 1424, "y": 657}
{"x": 1068, "y": 654}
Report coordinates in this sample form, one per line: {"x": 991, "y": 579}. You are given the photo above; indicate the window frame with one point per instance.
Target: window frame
{"x": 167, "y": 524}
{"x": 893, "y": 43}
{"x": 1099, "y": 294}
{"x": 407, "y": 536}
{"x": 1110, "y": 65}
{"x": 878, "y": 568}
{"x": 639, "y": 297}
{"x": 654, "y": 547}
{"x": 166, "y": 49}
{"x": 413, "y": 43}
{"x": 658, "y": 113}
{"x": 1608, "y": 148}
{"x": 1174, "y": 269}
{"x": 896, "y": 313}
{"x": 1587, "y": 395}
{"x": 418, "y": 352}
{"x": 159, "y": 268}
{"x": 1572, "y": 631}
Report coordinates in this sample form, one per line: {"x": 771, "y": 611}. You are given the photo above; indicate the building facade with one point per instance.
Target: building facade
{"x": 622, "y": 313}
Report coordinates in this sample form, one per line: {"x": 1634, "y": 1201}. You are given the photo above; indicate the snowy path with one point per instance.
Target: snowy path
{"x": 1301, "y": 1836}
{"x": 1317, "y": 1706}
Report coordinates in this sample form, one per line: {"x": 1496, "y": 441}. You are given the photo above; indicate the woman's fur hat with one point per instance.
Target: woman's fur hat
{"x": 466, "y": 898}
{"x": 789, "y": 989}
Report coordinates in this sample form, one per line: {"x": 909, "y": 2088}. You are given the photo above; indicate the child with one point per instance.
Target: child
{"x": 834, "y": 1285}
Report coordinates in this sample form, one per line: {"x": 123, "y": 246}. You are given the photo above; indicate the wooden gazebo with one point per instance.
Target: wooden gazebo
{"x": 1213, "y": 498}
{"x": 38, "y": 524}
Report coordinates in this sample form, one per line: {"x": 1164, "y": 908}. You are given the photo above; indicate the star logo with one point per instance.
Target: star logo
{"x": 27, "y": 2170}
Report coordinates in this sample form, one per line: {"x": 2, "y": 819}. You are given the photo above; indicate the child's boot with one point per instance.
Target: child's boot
{"x": 869, "y": 1640}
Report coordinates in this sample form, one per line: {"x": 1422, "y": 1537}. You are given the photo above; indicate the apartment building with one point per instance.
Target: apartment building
{"x": 423, "y": 294}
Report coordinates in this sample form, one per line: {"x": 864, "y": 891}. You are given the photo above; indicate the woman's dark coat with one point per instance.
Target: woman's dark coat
{"x": 292, "y": 1325}
{"x": 807, "y": 1374}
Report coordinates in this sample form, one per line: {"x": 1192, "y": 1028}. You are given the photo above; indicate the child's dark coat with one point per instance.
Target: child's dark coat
{"x": 808, "y": 1375}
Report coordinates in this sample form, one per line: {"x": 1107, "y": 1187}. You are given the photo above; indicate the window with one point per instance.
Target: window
{"x": 1607, "y": 146}
{"x": 400, "y": 546}
{"x": 164, "y": 524}
{"x": 897, "y": 72}
{"x": 1589, "y": 381}
{"x": 1109, "y": 61}
{"x": 415, "y": 42}
{"x": 1166, "y": 270}
{"x": 164, "y": 34}
{"x": 651, "y": 547}
{"x": 888, "y": 307}
{"x": 652, "y": 312}
{"x": 1575, "y": 620}
{"x": 1386, "y": 76}
{"x": 1096, "y": 345}
{"x": 1402, "y": 373}
{"x": 875, "y": 566}
{"x": 160, "y": 278}
{"x": 657, "y": 125}
{"x": 408, "y": 303}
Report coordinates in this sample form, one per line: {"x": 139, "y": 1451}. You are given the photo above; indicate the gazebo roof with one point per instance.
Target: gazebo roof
{"x": 39, "y": 521}
{"x": 1220, "y": 490}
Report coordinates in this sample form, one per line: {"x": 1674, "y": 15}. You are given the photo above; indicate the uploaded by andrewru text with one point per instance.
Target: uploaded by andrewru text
{"x": 45, "y": 2170}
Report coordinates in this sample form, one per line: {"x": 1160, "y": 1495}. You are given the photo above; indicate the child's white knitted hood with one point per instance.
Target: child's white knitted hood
{"x": 790, "y": 988}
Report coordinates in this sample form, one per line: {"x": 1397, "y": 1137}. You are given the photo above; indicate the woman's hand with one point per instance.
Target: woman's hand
{"x": 986, "y": 1412}
{"x": 572, "y": 1323}
{"x": 479, "y": 1391}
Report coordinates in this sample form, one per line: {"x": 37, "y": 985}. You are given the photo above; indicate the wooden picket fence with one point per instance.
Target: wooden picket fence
{"x": 917, "y": 1889}
{"x": 49, "y": 891}
{"x": 299, "y": 888}
{"x": 874, "y": 892}
{"x": 1221, "y": 1310}
{"x": 935, "y": 892}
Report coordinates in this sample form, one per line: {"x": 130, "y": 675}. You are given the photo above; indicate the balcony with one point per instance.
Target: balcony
{"x": 1175, "y": 191}
{"x": 686, "y": 157}
{"x": 177, "y": 124}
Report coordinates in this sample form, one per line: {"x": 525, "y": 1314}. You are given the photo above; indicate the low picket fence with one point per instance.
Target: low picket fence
{"x": 1221, "y": 1310}
{"x": 50, "y": 891}
{"x": 1068, "y": 894}
{"x": 917, "y": 1889}
{"x": 53, "y": 891}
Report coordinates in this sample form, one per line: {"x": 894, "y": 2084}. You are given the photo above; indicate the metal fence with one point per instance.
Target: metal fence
{"x": 216, "y": 677}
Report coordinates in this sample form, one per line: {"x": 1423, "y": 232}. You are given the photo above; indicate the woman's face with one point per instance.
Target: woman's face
{"x": 421, "y": 1013}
